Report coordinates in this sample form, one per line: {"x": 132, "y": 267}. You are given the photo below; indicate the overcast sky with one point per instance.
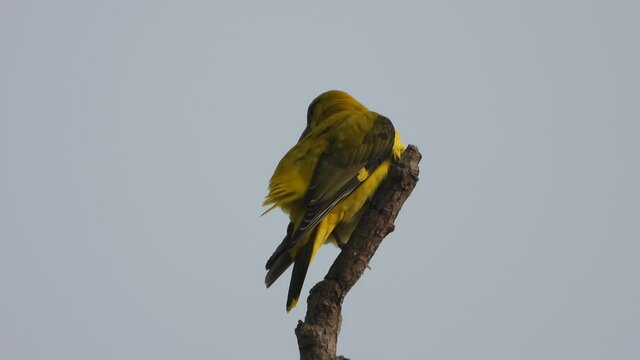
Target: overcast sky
{"x": 137, "y": 139}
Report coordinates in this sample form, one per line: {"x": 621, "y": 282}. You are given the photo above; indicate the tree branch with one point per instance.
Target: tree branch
{"x": 318, "y": 334}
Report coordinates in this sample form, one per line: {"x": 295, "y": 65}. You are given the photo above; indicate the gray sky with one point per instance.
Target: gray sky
{"x": 137, "y": 138}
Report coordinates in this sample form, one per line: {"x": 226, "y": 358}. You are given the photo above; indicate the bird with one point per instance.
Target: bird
{"x": 325, "y": 179}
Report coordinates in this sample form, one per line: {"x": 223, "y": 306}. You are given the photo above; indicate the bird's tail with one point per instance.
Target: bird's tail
{"x": 280, "y": 260}
{"x": 279, "y": 265}
{"x": 300, "y": 267}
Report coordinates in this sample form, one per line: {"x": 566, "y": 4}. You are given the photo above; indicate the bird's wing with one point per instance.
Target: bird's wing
{"x": 350, "y": 158}
{"x": 293, "y": 174}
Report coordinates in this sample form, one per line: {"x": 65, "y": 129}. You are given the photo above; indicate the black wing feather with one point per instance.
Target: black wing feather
{"x": 336, "y": 176}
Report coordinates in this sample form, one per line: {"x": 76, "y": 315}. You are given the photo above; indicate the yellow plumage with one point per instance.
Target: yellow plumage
{"x": 323, "y": 182}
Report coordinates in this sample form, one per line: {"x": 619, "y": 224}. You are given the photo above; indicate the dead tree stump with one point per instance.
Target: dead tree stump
{"x": 318, "y": 333}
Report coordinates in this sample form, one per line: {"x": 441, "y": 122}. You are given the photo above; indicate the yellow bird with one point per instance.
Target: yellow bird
{"x": 323, "y": 182}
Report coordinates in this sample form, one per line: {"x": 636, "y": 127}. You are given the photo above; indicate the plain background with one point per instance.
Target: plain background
{"x": 137, "y": 138}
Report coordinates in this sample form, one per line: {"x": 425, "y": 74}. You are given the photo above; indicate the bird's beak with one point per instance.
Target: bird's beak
{"x": 304, "y": 133}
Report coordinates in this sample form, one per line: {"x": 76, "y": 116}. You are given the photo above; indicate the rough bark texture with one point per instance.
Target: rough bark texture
{"x": 318, "y": 334}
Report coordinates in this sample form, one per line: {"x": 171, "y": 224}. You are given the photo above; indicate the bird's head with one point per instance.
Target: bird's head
{"x": 328, "y": 104}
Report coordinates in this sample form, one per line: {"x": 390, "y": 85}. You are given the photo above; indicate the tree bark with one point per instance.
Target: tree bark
{"x": 318, "y": 334}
